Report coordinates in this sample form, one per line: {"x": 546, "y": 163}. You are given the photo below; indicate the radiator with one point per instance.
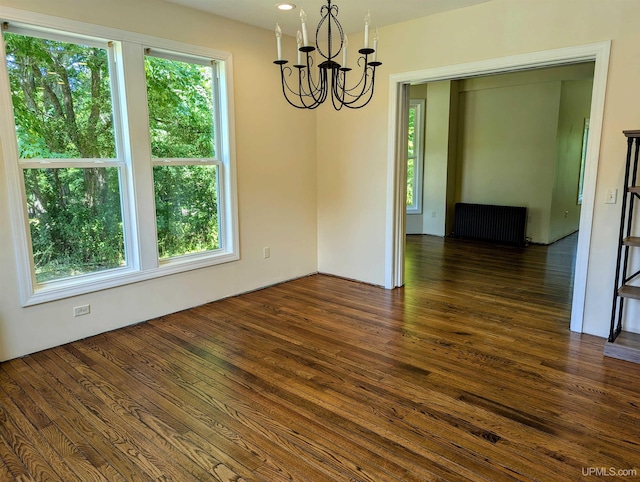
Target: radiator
{"x": 502, "y": 224}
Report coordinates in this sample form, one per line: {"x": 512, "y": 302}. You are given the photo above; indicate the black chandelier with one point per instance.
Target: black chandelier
{"x": 331, "y": 78}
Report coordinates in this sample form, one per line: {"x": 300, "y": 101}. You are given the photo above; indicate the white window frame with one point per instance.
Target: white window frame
{"x": 118, "y": 162}
{"x": 134, "y": 161}
{"x": 418, "y": 158}
{"x": 211, "y": 161}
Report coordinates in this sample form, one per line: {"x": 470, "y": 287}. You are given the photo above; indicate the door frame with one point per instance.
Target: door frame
{"x": 396, "y": 157}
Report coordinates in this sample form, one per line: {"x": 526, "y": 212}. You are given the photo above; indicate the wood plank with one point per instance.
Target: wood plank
{"x": 631, "y": 241}
{"x": 628, "y": 291}
{"x": 469, "y": 372}
{"x": 626, "y": 347}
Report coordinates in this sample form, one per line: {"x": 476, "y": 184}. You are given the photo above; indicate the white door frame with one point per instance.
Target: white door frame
{"x": 396, "y": 184}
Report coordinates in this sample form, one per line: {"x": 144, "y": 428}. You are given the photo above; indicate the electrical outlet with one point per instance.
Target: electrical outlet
{"x": 81, "y": 310}
{"x": 433, "y": 214}
{"x": 266, "y": 252}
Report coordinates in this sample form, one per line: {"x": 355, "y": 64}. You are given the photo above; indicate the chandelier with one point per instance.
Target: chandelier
{"x": 304, "y": 90}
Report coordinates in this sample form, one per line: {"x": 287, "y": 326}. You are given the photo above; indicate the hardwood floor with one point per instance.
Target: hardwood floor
{"x": 468, "y": 373}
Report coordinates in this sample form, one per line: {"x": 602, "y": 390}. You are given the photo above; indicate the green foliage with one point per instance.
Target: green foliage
{"x": 411, "y": 130}
{"x": 186, "y": 209}
{"x": 410, "y": 183}
{"x": 180, "y": 109}
{"x": 61, "y": 97}
{"x": 181, "y": 124}
{"x": 410, "y": 153}
{"x": 75, "y": 220}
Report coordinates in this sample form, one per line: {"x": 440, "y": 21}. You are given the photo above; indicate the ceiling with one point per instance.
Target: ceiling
{"x": 262, "y": 13}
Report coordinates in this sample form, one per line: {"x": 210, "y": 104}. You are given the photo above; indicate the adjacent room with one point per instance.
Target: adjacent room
{"x": 202, "y": 282}
{"x": 508, "y": 140}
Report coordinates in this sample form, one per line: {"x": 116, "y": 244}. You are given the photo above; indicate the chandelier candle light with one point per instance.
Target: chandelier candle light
{"x": 331, "y": 78}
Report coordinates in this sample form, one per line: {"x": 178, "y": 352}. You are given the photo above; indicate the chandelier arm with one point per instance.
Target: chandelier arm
{"x": 336, "y": 99}
{"x": 350, "y": 105}
{"x": 302, "y": 94}
{"x": 340, "y": 86}
{"x": 286, "y": 87}
{"x": 362, "y": 62}
{"x": 324, "y": 84}
{"x": 362, "y": 84}
{"x": 343, "y": 97}
{"x": 313, "y": 88}
{"x": 285, "y": 84}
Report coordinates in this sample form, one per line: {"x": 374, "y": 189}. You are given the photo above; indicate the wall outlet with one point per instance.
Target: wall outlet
{"x": 81, "y": 310}
{"x": 433, "y": 214}
{"x": 266, "y": 252}
{"x": 612, "y": 196}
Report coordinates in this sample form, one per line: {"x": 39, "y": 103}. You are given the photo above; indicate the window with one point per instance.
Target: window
{"x": 64, "y": 127}
{"x": 78, "y": 178}
{"x": 182, "y": 105}
{"x": 414, "y": 156}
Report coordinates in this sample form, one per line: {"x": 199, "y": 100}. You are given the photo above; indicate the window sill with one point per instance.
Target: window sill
{"x": 114, "y": 278}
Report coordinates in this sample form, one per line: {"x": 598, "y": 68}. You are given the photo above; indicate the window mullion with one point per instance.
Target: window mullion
{"x": 137, "y": 145}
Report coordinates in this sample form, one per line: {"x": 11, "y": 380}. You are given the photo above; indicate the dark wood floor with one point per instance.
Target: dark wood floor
{"x": 468, "y": 373}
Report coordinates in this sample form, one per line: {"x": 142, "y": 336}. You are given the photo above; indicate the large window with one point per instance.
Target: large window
{"x": 78, "y": 170}
{"x": 414, "y": 156}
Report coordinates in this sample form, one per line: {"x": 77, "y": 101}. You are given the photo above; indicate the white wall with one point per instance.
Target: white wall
{"x": 276, "y": 174}
{"x": 357, "y": 142}
{"x": 439, "y": 157}
{"x": 496, "y": 120}
{"x": 436, "y": 157}
{"x": 414, "y": 224}
{"x": 507, "y": 150}
{"x": 575, "y": 105}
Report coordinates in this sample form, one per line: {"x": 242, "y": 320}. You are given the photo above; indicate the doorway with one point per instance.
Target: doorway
{"x": 395, "y": 237}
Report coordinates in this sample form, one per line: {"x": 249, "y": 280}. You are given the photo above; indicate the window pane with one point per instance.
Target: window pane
{"x": 75, "y": 219}
{"x": 410, "y": 181}
{"x": 412, "y": 122}
{"x": 186, "y": 209}
{"x": 181, "y": 117}
{"x": 61, "y": 98}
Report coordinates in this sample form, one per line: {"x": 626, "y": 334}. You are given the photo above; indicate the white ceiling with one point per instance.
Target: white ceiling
{"x": 262, "y": 13}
